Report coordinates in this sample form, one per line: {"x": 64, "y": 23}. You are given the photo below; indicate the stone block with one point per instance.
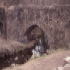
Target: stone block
{"x": 59, "y": 68}
{"x": 67, "y": 60}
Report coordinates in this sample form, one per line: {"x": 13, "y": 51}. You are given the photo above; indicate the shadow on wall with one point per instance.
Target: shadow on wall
{"x": 36, "y": 33}
{"x": 1, "y": 29}
{"x": 3, "y": 25}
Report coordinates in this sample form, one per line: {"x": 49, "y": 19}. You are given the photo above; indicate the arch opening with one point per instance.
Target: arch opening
{"x": 32, "y": 32}
{"x": 35, "y": 33}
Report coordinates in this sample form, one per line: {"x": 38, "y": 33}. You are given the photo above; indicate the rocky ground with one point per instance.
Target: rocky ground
{"x": 46, "y": 62}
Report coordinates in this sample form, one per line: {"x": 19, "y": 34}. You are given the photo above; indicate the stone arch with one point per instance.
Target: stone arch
{"x": 34, "y": 32}
{"x": 31, "y": 32}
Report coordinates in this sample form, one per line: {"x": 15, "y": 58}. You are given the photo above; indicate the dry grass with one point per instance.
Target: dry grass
{"x": 11, "y": 47}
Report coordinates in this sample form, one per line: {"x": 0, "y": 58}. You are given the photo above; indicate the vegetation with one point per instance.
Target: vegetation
{"x": 21, "y": 50}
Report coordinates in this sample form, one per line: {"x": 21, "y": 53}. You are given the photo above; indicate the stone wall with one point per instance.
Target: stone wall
{"x": 3, "y": 27}
{"x": 52, "y": 18}
{"x": 34, "y": 2}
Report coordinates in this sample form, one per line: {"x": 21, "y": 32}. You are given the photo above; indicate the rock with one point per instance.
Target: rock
{"x": 37, "y": 54}
{"x": 67, "y": 60}
{"x": 16, "y": 58}
{"x": 67, "y": 64}
{"x": 13, "y": 65}
{"x": 11, "y": 7}
{"x": 60, "y": 68}
{"x": 33, "y": 56}
{"x": 66, "y": 67}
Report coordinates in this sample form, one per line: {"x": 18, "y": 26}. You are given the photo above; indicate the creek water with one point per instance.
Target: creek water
{"x": 39, "y": 49}
{"x": 19, "y": 58}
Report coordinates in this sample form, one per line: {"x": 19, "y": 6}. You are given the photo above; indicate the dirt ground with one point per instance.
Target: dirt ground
{"x": 46, "y": 62}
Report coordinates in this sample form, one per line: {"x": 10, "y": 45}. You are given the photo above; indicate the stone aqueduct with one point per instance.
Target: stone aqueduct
{"x": 52, "y": 16}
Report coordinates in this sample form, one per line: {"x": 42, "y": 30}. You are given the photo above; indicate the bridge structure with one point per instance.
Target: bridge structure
{"x": 52, "y": 16}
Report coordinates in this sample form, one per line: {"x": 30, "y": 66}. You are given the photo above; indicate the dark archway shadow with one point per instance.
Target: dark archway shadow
{"x": 3, "y": 25}
{"x": 1, "y": 29}
{"x": 23, "y": 57}
{"x": 35, "y": 33}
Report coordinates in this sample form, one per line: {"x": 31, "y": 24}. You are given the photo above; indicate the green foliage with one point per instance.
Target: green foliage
{"x": 24, "y": 44}
{"x": 59, "y": 47}
{"x": 38, "y": 34}
{"x": 48, "y": 53}
{"x": 21, "y": 49}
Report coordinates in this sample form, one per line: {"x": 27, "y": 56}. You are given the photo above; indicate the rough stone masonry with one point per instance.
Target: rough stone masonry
{"x": 52, "y": 16}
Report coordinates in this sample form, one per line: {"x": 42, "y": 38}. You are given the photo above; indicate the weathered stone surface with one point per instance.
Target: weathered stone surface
{"x": 59, "y": 68}
{"x": 13, "y": 65}
{"x": 66, "y": 67}
{"x": 52, "y": 19}
{"x": 67, "y": 60}
{"x": 63, "y": 68}
{"x": 66, "y": 64}
{"x": 35, "y": 2}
